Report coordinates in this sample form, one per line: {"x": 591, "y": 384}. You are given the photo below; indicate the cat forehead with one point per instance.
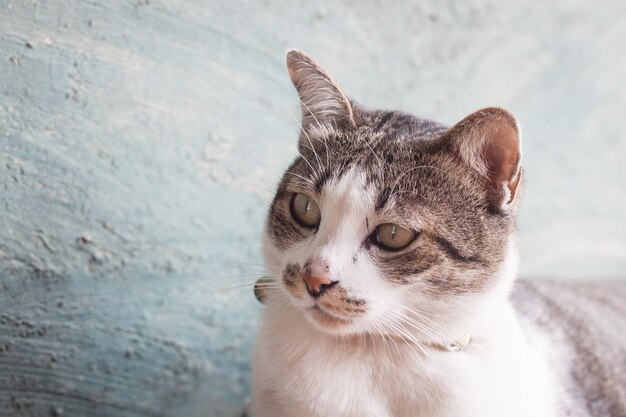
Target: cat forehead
{"x": 379, "y": 168}
{"x": 351, "y": 190}
{"x": 383, "y": 140}
{"x": 382, "y": 124}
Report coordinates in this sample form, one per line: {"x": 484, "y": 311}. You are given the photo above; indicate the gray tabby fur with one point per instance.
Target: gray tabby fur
{"x": 585, "y": 322}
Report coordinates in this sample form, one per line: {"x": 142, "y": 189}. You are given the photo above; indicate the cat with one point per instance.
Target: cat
{"x": 391, "y": 247}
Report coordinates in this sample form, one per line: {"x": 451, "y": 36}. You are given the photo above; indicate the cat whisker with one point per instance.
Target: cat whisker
{"x": 313, "y": 171}
{"x": 233, "y": 263}
{"x": 237, "y": 290}
{"x": 427, "y": 353}
{"x": 383, "y": 338}
{"x": 328, "y": 153}
{"x": 420, "y": 327}
{"x": 239, "y": 281}
{"x": 307, "y": 180}
{"x": 309, "y": 110}
{"x": 229, "y": 278}
{"x": 396, "y": 345}
{"x": 420, "y": 315}
{"x": 426, "y": 318}
{"x": 404, "y": 333}
{"x": 379, "y": 162}
{"x": 319, "y": 162}
{"x": 318, "y": 122}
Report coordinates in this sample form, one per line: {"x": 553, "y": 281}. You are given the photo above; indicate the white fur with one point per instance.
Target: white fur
{"x": 302, "y": 370}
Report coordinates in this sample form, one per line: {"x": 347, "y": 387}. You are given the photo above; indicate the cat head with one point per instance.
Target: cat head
{"x": 390, "y": 223}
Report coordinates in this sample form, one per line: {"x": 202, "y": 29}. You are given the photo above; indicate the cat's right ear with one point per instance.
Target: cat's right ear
{"x": 321, "y": 99}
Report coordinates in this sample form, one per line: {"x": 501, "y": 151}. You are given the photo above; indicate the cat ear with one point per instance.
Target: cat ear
{"x": 321, "y": 98}
{"x": 489, "y": 142}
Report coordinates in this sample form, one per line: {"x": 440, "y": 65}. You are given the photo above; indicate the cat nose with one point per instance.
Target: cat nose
{"x": 316, "y": 286}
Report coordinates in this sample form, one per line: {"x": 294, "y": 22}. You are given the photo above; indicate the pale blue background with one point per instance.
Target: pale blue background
{"x": 140, "y": 142}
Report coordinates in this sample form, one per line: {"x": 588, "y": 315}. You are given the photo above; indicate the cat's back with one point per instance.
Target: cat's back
{"x": 582, "y": 328}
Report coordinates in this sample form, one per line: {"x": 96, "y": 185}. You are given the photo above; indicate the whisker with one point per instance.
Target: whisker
{"x": 307, "y": 180}
{"x": 313, "y": 171}
{"x": 379, "y": 162}
{"x": 320, "y": 124}
{"x": 319, "y": 163}
{"x": 424, "y": 317}
{"x": 419, "y": 326}
{"x": 403, "y": 332}
{"x": 239, "y": 277}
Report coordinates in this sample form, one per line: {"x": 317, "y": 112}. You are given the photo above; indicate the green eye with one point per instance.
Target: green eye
{"x": 393, "y": 237}
{"x": 305, "y": 211}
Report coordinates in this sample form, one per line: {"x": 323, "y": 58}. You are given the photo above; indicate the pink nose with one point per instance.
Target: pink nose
{"x": 316, "y": 286}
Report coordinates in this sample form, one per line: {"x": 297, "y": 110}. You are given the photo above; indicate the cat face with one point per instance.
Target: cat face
{"x": 387, "y": 223}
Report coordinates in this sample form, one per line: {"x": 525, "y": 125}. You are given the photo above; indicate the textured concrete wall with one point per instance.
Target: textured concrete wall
{"x": 140, "y": 142}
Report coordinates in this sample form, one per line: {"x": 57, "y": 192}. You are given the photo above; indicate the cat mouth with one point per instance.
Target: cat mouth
{"x": 326, "y": 319}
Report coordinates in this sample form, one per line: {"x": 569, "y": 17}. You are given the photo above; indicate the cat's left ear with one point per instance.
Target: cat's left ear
{"x": 321, "y": 98}
{"x": 488, "y": 140}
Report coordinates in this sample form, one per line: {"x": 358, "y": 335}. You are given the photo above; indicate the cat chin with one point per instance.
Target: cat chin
{"x": 329, "y": 323}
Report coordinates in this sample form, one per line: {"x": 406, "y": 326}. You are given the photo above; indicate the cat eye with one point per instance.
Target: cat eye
{"x": 393, "y": 237}
{"x": 305, "y": 211}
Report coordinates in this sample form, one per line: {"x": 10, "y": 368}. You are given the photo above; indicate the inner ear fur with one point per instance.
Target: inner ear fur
{"x": 488, "y": 141}
{"x": 321, "y": 98}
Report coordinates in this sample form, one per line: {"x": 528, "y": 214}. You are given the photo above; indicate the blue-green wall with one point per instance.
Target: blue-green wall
{"x": 140, "y": 142}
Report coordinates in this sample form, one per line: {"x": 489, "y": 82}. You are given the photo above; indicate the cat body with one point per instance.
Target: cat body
{"x": 391, "y": 246}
